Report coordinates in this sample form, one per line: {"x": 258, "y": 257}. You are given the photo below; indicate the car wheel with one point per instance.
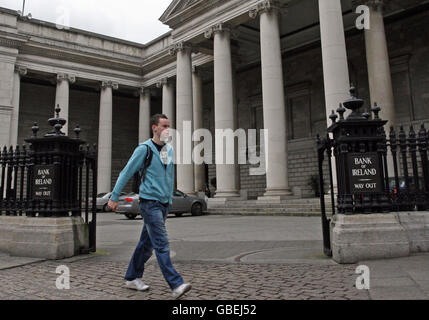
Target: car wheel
{"x": 130, "y": 216}
{"x": 197, "y": 209}
{"x": 178, "y": 214}
{"x": 106, "y": 208}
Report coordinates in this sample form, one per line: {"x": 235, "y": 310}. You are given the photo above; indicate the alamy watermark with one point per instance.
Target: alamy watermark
{"x": 63, "y": 17}
{"x": 362, "y": 281}
{"x": 363, "y": 21}
{"x": 231, "y": 147}
{"x": 63, "y": 281}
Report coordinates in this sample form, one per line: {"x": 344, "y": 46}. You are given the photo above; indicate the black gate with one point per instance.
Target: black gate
{"x": 375, "y": 174}
{"x": 55, "y": 176}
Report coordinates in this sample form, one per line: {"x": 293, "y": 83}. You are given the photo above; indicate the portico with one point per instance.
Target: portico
{"x": 282, "y": 66}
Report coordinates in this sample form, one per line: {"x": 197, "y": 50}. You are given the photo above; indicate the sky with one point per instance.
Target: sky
{"x": 133, "y": 20}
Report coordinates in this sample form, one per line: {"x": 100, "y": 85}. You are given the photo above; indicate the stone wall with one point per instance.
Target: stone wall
{"x": 408, "y": 43}
{"x": 125, "y": 133}
{"x": 37, "y": 105}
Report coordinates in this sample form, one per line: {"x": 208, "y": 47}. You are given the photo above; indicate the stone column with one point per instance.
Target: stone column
{"x": 168, "y": 100}
{"x": 226, "y": 176}
{"x": 199, "y": 170}
{"x": 144, "y": 115}
{"x": 169, "y": 109}
{"x": 274, "y": 108}
{"x": 377, "y": 56}
{"x": 62, "y": 96}
{"x": 334, "y": 57}
{"x": 19, "y": 72}
{"x": 104, "y": 183}
{"x": 378, "y": 63}
{"x": 7, "y": 67}
{"x": 184, "y": 110}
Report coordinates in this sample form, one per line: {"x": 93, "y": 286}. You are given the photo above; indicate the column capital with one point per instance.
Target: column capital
{"x": 199, "y": 71}
{"x": 162, "y": 82}
{"x": 22, "y": 71}
{"x": 217, "y": 28}
{"x": 66, "y": 77}
{"x": 144, "y": 91}
{"x": 181, "y": 46}
{"x": 266, "y": 6}
{"x": 109, "y": 84}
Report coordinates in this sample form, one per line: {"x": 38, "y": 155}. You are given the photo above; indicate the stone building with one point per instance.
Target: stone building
{"x": 261, "y": 64}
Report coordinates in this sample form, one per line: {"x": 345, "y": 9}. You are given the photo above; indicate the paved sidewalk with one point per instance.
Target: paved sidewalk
{"x": 97, "y": 278}
{"x": 229, "y": 258}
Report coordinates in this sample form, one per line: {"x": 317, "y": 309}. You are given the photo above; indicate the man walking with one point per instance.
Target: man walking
{"x": 156, "y": 197}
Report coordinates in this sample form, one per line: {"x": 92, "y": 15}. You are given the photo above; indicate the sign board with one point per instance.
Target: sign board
{"x": 365, "y": 173}
{"x": 43, "y": 182}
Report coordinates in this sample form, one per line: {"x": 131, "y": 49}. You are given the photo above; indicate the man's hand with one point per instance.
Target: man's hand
{"x": 113, "y": 205}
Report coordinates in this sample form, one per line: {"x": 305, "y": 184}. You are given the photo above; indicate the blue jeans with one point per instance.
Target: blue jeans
{"x": 154, "y": 236}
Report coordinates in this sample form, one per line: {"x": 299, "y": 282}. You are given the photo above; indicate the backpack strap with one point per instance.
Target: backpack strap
{"x": 147, "y": 162}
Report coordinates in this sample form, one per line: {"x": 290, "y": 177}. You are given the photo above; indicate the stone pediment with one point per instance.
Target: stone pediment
{"x": 180, "y": 10}
{"x": 176, "y": 7}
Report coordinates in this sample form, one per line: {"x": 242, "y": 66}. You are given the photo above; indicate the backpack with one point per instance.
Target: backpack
{"x": 138, "y": 177}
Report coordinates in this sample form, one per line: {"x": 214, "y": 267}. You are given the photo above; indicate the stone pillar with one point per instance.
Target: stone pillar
{"x": 104, "y": 183}
{"x": 19, "y": 72}
{"x": 378, "y": 63}
{"x": 274, "y": 108}
{"x": 168, "y": 100}
{"x": 62, "y": 96}
{"x": 199, "y": 170}
{"x": 377, "y": 56}
{"x": 169, "y": 109}
{"x": 226, "y": 176}
{"x": 7, "y": 67}
{"x": 334, "y": 57}
{"x": 184, "y": 110}
{"x": 144, "y": 115}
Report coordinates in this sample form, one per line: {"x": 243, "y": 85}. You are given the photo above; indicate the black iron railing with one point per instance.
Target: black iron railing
{"x": 374, "y": 173}
{"x": 16, "y": 175}
{"x": 54, "y": 176}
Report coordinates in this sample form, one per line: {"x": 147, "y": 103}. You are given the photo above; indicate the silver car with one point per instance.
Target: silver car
{"x": 128, "y": 205}
{"x": 102, "y": 199}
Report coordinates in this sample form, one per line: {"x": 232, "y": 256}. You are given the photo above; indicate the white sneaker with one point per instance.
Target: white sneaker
{"x": 181, "y": 290}
{"x": 136, "y": 284}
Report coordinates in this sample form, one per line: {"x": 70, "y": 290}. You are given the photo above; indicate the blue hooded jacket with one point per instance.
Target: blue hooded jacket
{"x": 159, "y": 182}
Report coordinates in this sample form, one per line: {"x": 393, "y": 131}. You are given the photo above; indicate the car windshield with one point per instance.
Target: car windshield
{"x": 178, "y": 193}
{"x": 100, "y": 195}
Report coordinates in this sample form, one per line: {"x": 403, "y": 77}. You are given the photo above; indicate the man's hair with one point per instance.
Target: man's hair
{"x": 155, "y": 119}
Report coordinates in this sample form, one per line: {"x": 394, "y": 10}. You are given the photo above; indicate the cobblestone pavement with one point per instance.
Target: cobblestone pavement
{"x": 225, "y": 258}
{"x": 96, "y": 278}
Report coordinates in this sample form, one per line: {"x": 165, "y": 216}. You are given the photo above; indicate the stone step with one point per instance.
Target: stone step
{"x": 265, "y": 211}
{"x": 295, "y": 203}
{"x": 271, "y": 205}
{"x": 285, "y": 209}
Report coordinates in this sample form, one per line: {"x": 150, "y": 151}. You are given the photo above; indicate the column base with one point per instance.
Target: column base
{"x": 227, "y": 194}
{"x": 276, "y": 196}
{"x": 222, "y": 198}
